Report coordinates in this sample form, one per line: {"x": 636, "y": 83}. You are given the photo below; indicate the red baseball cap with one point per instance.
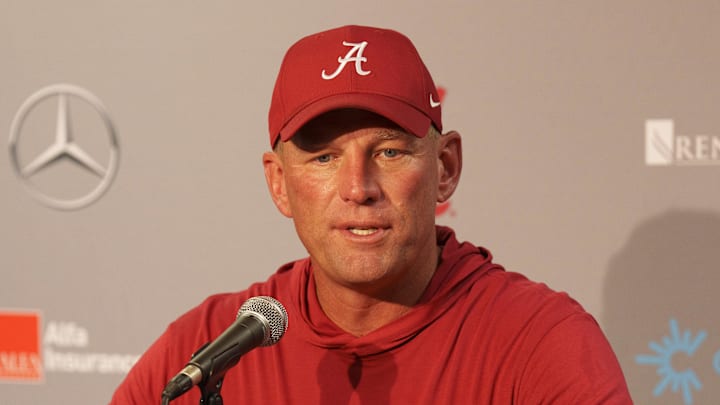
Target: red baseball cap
{"x": 368, "y": 68}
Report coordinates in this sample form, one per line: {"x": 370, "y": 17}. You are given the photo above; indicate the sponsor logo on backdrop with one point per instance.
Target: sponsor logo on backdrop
{"x": 64, "y": 344}
{"x": 64, "y": 349}
{"x": 20, "y": 357}
{"x": 444, "y": 209}
{"x": 64, "y": 146}
{"x": 673, "y": 378}
{"x": 663, "y": 147}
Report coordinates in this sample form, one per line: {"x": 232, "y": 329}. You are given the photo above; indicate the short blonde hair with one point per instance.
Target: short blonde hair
{"x": 433, "y": 132}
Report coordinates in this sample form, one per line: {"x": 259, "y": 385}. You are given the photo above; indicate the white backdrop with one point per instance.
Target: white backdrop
{"x": 552, "y": 99}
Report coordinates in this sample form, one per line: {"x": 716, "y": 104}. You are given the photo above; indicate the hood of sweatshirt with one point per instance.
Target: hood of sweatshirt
{"x": 460, "y": 266}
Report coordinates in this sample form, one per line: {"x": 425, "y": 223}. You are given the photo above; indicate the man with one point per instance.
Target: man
{"x": 389, "y": 308}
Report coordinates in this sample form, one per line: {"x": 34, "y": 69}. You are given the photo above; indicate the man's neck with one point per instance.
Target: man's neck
{"x": 360, "y": 310}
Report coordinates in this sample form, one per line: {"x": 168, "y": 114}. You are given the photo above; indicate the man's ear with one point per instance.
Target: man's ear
{"x": 449, "y": 164}
{"x": 275, "y": 177}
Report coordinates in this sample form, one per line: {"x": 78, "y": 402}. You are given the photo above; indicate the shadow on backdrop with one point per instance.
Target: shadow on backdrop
{"x": 661, "y": 308}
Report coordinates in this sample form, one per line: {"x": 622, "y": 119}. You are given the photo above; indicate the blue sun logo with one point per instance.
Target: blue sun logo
{"x": 686, "y": 379}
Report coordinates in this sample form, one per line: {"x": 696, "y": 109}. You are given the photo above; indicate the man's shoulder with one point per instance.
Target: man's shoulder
{"x": 514, "y": 299}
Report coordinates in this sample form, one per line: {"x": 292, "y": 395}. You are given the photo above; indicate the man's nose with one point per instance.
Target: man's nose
{"x": 358, "y": 180}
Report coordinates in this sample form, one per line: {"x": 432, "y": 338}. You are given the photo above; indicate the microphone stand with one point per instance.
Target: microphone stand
{"x": 210, "y": 391}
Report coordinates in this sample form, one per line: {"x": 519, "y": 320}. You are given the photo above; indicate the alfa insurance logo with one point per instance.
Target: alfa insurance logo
{"x": 663, "y": 147}
{"x": 20, "y": 357}
{"x": 28, "y": 353}
{"x": 678, "y": 380}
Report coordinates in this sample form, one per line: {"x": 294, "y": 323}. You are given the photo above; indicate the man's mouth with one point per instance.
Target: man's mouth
{"x": 363, "y": 231}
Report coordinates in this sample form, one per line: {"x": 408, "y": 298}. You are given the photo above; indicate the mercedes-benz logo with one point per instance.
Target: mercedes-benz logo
{"x": 64, "y": 146}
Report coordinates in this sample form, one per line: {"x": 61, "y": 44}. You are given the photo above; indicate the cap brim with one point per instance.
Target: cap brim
{"x": 407, "y": 117}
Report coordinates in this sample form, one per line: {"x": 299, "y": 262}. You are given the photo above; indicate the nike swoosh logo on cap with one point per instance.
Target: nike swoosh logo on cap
{"x": 433, "y": 103}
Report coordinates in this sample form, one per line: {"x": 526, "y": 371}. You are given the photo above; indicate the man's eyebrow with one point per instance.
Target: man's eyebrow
{"x": 390, "y": 134}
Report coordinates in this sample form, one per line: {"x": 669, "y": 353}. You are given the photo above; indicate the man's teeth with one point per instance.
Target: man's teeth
{"x": 363, "y": 231}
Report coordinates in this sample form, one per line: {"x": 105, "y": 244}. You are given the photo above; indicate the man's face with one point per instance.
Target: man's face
{"x": 362, "y": 194}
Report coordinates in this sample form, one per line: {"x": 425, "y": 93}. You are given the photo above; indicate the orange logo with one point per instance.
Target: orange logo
{"x": 20, "y": 357}
{"x": 441, "y": 93}
{"x": 443, "y": 208}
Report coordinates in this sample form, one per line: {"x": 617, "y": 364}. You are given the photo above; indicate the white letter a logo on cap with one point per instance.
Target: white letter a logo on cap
{"x": 354, "y": 54}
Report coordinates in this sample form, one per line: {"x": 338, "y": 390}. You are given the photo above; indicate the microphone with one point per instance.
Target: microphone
{"x": 261, "y": 321}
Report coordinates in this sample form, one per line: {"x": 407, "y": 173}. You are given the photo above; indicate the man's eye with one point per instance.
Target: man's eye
{"x": 323, "y": 158}
{"x": 391, "y": 153}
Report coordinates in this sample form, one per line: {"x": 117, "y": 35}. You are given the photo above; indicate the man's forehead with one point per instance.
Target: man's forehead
{"x": 329, "y": 126}
{"x": 309, "y": 141}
